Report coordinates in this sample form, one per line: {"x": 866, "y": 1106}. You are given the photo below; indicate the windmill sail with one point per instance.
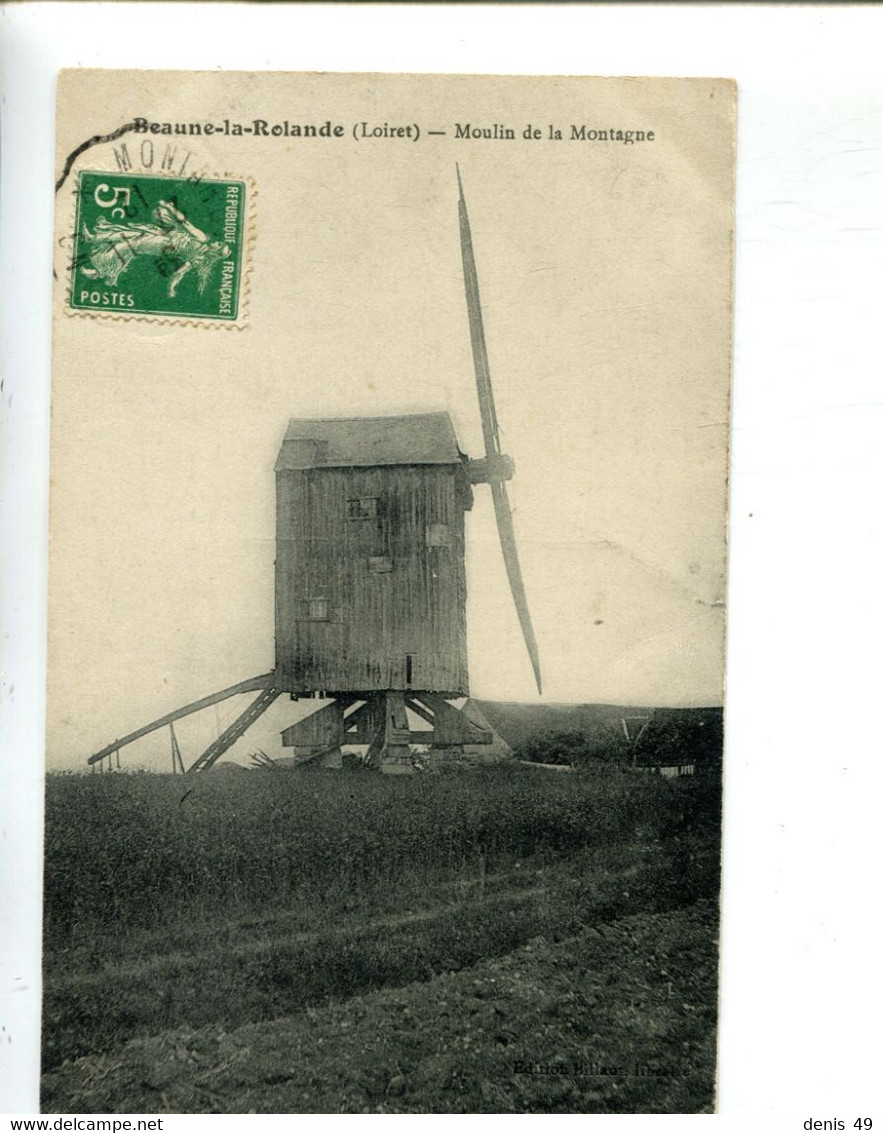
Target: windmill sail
{"x": 513, "y": 570}
{"x": 491, "y": 431}
{"x": 489, "y": 425}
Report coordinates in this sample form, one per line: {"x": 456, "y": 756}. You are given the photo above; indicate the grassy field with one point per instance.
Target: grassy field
{"x": 444, "y": 936}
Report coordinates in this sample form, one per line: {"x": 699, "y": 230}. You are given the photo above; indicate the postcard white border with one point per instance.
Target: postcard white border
{"x": 802, "y": 780}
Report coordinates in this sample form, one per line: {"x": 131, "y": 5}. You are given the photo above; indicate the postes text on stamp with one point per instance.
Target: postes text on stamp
{"x": 158, "y": 246}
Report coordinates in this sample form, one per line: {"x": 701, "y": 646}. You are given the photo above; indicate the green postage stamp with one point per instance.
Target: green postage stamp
{"x": 158, "y": 246}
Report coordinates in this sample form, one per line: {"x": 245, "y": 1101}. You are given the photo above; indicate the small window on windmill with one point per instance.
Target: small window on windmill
{"x": 315, "y": 609}
{"x": 363, "y": 508}
{"x": 438, "y": 535}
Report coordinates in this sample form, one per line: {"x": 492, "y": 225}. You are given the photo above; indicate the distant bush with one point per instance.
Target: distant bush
{"x": 672, "y": 736}
{"x": 577, "y": 747}
{"x": 682, "y": 736}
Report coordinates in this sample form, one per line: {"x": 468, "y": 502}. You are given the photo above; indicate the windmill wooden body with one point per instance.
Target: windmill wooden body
{"x": 370, "y": 596}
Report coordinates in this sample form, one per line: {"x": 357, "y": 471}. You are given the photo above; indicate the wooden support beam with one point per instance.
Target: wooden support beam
{"x": 177, "y": 761}
{"x": 238, "y": 728}
{"x": 395, "y": 755}
{"x": 321, "y": 729}
{"x": 452, "y": 725}
{"x": 263, "y": 681}
{"x": 375, "y": 748}
{"x": 367, "y": 718}
{"x": 417, "y": 708}
{"x": 414, "y": 736}
{"x": 382, "y": 724}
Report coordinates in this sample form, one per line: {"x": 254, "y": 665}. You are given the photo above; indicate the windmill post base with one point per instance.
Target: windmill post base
{"x": 394, "y": 759}
{"x": 332, "y": 759}
{"x": 376, "y": 720}
{"x": 380, "y": 721}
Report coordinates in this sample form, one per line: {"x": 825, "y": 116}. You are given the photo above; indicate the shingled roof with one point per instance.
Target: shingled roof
{"x": 341, "y": 442}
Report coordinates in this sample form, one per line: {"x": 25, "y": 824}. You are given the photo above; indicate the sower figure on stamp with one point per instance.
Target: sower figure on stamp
{"x": 173, "y": 237}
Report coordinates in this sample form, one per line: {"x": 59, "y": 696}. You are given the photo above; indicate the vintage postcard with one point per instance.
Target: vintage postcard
{"x": 390, "y": 427}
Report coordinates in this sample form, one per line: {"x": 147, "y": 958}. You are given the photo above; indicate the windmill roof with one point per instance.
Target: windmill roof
{"x": 423, "y": 438}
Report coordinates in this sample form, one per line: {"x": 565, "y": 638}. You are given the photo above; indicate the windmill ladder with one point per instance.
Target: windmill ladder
{"x": 237, "y": 729}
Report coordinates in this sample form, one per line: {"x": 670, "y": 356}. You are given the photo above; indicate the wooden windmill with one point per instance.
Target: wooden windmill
{"x": 371, "y": 579}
